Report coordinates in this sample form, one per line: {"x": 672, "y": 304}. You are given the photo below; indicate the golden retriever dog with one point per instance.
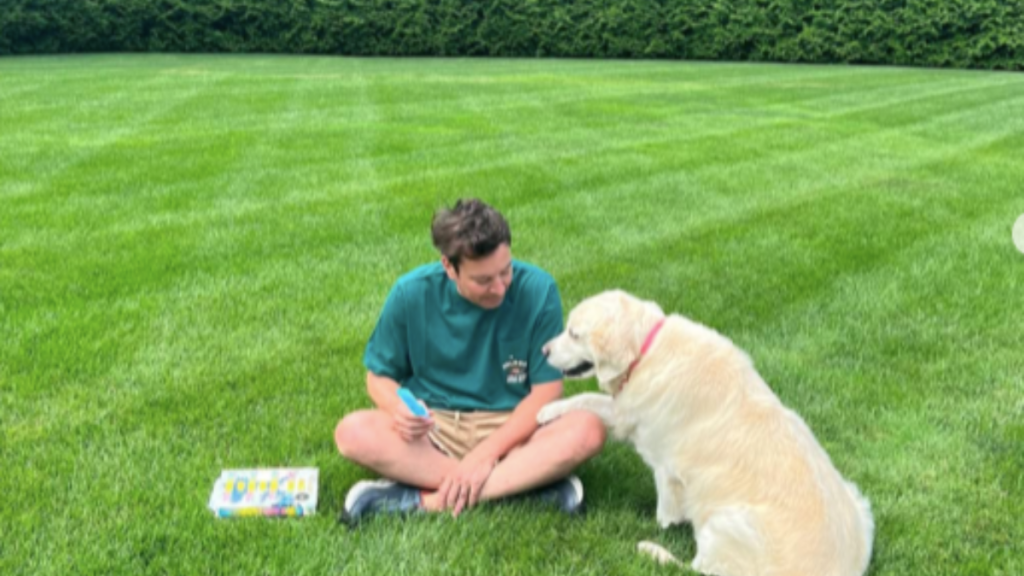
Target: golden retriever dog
{"x": 761, "y": 493}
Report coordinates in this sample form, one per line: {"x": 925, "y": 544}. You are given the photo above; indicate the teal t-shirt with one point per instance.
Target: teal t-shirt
{"x": 453, "y": 354}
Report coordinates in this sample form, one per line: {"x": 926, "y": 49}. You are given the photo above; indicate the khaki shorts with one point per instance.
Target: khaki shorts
{"x": 457, "y": 433}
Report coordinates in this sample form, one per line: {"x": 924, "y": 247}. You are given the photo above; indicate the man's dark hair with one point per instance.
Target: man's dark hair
{"x": 471, "y": 229}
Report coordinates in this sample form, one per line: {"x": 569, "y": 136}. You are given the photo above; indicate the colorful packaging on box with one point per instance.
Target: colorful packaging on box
{"x": 265, "y": 492}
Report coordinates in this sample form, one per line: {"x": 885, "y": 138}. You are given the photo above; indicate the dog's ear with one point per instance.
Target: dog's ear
{"x": 611, "y": 341}
{"x": 616, "y": 342}
{"x": 611, "y": 351}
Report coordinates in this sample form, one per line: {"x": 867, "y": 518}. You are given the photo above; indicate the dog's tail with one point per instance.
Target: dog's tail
{"x": 661, "y": 555}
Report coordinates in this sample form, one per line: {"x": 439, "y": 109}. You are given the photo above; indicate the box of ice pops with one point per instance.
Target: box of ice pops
{"x": 265, "y": 492}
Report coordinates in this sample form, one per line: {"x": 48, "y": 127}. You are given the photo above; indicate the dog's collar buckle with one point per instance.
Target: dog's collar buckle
{"x": 643, "y": 350}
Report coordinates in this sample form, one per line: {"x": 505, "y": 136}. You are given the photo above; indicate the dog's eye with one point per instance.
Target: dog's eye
{"x": 574, "y": 334}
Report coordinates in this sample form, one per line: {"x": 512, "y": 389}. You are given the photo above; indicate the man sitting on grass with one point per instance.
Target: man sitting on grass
{"x": 465, "y": 335}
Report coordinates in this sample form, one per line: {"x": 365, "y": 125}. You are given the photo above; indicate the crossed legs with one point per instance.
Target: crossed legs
{"x": 551, "y": 453}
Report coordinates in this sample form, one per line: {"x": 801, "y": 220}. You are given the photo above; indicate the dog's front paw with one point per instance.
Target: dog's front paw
{"x": 551, "y": 412}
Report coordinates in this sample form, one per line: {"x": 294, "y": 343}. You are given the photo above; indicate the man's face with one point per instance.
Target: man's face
{"x": 484, "y": 281}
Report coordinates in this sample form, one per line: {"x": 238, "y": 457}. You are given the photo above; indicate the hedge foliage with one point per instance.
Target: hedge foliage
{"x": 954, "y": 33}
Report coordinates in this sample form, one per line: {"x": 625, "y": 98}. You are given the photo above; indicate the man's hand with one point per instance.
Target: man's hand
{"x": 384, "y": 393}
{"x": 462, "y": 488}
{"x": 411, "y": 427}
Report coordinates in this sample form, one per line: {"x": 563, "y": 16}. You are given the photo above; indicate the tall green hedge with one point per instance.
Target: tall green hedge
{"x": 958, "y": 33}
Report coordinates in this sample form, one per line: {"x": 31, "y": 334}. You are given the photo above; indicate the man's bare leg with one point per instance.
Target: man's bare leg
{"x": 368, "y": 439}
{"x": 550, "y": 454}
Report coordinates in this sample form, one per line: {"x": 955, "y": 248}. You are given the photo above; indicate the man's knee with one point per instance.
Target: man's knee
{"x": 592, "y": 434}
{"x": 584, "y": 435}
{"x": 354, "y": 435}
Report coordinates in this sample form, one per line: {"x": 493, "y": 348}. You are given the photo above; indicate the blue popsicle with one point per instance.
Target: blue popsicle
{"x": 410, "y": 401}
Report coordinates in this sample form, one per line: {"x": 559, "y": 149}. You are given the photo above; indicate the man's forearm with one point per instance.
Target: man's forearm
{"x": 383, "y": 391}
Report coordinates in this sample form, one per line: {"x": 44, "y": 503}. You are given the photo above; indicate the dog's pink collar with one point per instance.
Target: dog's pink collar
{"x": 643, "y": 350}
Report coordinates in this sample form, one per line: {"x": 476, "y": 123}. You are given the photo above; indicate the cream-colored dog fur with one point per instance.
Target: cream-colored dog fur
{"x": 762, "y": 495}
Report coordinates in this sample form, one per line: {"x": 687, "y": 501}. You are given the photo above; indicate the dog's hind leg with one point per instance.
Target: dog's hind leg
{"x": 729, "y": 544}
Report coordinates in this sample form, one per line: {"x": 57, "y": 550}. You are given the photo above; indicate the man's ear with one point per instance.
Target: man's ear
{"x": 449, "y": 268}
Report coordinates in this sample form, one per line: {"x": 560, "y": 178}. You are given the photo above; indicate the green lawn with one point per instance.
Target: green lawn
{"x": 193, "y": 251}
